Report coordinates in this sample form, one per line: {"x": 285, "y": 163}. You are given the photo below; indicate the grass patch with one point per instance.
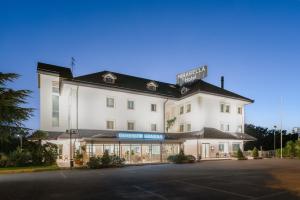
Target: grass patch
{"x": 13, "y": 170}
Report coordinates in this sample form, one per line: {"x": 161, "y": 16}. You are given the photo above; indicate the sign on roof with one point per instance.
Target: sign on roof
{"x": 192, "y": 75}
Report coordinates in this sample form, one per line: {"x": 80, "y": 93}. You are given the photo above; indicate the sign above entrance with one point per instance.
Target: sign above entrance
{"x": 192, "y": 75}
{"x": 140, "y": 136}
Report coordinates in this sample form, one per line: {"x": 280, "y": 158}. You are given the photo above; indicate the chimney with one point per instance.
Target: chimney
{"x": 222, "y": 82}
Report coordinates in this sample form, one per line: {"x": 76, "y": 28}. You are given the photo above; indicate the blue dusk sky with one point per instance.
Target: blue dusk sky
{"x": 255, "y": 44}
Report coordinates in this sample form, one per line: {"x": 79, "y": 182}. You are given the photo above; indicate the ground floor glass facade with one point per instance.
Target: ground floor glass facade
{"x": 135, "y": 153}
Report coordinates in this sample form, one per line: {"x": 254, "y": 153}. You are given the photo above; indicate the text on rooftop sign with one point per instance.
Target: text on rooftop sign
{"x": 192, "y": 75}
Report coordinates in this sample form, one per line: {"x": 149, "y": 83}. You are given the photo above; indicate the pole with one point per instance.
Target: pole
{"x": 281, "y": 127}
{"x": 71, "y": 159}
{"x": 275, "y": 140}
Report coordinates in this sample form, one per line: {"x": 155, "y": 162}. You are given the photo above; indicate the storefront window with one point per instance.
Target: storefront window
{"x": 235, "y": 147}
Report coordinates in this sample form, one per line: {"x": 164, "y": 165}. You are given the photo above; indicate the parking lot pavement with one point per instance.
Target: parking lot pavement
{"x": 252, "y": 179}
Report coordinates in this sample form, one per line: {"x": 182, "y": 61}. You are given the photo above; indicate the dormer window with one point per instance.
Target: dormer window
{"x": 109, "y": 78}
{"x": 152, "y": 86}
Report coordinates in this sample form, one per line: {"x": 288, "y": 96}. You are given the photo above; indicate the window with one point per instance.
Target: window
{"x": 239, "y": 128}
{"x": 110, "y": 124}
{"x": 221, "y": 147}
{"x": 55, "y": 104}
{"x": 181, "y": 110}
{"x": 222, "y": 127}
{"x": 153, "y": 107}
{"x": 130, "y": 126}
{"x": 59, "y": 151}
{"x": 224, "y": 108}
{"x": 153, "y": 127}
{"x": 188, "y": 127}
{"x": 181, "y": 128}
{"x": 152, "y": 86}
{"x": 227, "y": 127}
{"x": 110, "y": 102}
{"x": 188, "y": 108}
{"x": 109, "y": 78}
{"x": 235, "y": 147}
{"x": 240, "y": 110}
{"x": 130, "y": 105}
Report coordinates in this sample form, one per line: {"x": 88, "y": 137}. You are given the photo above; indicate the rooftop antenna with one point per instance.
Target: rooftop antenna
{"x": 72, "y": 64}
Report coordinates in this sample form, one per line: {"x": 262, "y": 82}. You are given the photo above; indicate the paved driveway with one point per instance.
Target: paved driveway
{"x": 252, "y": 179}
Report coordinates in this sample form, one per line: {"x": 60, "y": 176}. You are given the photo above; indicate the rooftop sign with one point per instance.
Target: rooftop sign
{"x": 140, "y": 136}
{"x": 192, "y": 75}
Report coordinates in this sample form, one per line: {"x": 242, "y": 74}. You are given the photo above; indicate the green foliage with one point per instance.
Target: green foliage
{"x": 78, "y": 155}
{"x": 181, "y": 158}
{"x": 49, "y": 153}
{"x": 291, "y": 150}
{"x": 12, "y": 114}
{"x": 255, "y": 152}
{"x": 170, "y": 123}
{"x": 105, "y": 161}
{"x": 265, "y": 137}
{"x": 240, "y": 155}
{"x": 19, "y": 158}
{"x": 3, "y": 160}
{"x": 94, "y": 163}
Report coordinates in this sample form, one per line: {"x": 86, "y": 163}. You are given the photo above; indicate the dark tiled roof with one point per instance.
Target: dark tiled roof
{"x": 51, "y": 135}
{"x": 133, "y": 83}
{"x": 61, "y": 71}
{"x": 138, "y": 84}
{"x": 206, "y": 133}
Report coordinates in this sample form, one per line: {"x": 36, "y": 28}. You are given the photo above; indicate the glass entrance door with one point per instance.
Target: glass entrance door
{"x": 205, "y": 150}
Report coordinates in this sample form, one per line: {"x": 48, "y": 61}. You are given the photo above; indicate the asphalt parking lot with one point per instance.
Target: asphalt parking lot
{"x": 252, "y": 179}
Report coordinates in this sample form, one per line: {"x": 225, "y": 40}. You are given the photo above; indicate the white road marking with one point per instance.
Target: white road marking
{"x": 270, "y": 195}
{"x": 149, "y": 192}
{"x": 63, "y": 175}
{"x": 215, "y": 189}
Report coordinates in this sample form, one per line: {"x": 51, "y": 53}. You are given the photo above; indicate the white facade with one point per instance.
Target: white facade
{"x": 70, "y": 105}
{"x": 93, "y": 113}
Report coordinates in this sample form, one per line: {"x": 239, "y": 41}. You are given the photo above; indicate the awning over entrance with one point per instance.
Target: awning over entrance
{"x": 206, "y": 133}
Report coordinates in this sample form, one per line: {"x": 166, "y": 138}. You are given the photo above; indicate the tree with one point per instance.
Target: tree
{"x": 170, "y": 123}
{"x": 255, "y": 153}
{"x": 12, "y": 110}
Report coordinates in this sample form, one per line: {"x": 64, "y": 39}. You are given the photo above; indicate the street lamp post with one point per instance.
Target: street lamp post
{"x": 275, "y": 140}
{"x": 21, "y": 141}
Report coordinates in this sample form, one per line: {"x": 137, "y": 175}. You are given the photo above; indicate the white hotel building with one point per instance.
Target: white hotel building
{"x": 132, "y": 116}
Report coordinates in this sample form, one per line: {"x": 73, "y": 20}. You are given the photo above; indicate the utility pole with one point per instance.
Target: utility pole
{"x": 281, "y": 115}
{"x": 275, "y": 127}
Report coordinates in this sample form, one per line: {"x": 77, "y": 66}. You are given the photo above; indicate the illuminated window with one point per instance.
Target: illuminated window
{"x": 235, "y": 147}
{"x": 55, "y": 104}
{"x": 152, "y": 86}
{"x": 221, "y": 147}
{"x": 110, "y": 102}
{"x": 110, "y": 124}
{"x": 109, "y": 78}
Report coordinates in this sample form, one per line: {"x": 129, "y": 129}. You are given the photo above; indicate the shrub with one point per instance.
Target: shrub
{"x": 240, "y": 155}
{"x": 94, "y": 163}
{"x": 3, "y": 160}
{"x": 255, "y": 153}
{"x": 116, "y": 161}
{"x": 49, "y": 153}
{"x": 290, "y": 149}
{"x": 181, "y": 158}
{"x": 19, "y": 158}
{"x": 106, "y": 159}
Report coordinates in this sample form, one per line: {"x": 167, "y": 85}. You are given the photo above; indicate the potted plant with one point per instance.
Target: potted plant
{"x": 78, "y": 158}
